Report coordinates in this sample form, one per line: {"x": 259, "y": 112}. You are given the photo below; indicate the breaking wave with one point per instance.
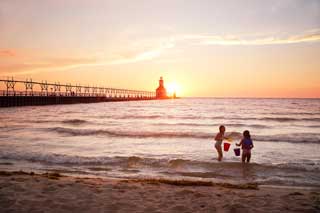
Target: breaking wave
{"x": 143, "y": 162}
{"x": 292, "y": 138}
{"x": 116, "y": 133}
{"x": 282, "y": 174}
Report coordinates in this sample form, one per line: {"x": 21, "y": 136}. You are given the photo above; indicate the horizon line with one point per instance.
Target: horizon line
{"x": 233, "y": 97}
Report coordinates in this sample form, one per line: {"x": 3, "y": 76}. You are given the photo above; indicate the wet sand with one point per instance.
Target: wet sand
{"x": 28, "y": 192}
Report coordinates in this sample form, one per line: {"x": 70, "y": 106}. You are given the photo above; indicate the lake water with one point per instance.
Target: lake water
{"x": 166, "y": 139}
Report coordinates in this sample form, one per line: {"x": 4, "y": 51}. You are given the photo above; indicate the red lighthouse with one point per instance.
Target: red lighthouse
{"x": 161, "y": 92}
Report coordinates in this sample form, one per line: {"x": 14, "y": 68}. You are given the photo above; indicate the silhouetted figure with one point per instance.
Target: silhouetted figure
{"x": 219, "y": 138}
{"x": 246, "y": 146}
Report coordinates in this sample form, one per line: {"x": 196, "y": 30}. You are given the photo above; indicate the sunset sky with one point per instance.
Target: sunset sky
{"x": 206, "y": 47}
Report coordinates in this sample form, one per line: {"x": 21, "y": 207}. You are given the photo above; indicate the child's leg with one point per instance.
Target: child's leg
{"x": 244, "y": 155}
{"x": 219, "y": 150}
{"x": 220, "y": 153}
{"x": 248, "y": 157}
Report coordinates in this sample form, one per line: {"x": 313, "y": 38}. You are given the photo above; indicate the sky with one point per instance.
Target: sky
{"x": 207, "y": 48}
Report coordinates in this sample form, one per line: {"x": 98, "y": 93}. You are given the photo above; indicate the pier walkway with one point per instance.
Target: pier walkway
{"x": 29, "y": 93}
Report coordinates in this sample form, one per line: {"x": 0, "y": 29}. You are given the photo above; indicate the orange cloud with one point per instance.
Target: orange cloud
{"x": 144, "y": 50}
{"x": 309, "y": 36}
{"x": 34, "y": 66}
{"x": 7, "y": 53}
{"x": 144, "y": 55}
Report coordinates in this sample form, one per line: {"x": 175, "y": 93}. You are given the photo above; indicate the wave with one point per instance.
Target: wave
{"x": 292, "y": 138}
{"x": 312, "y": 126}
{"x": 287, "y": 119}
{"x": 258, "y": 126}
{"x": 116, "y": 133}
{"x": 202, "y": 117}
{"x": 137, "y": 116}
{"x": 298, "y": 173}
{"x": 74, "y": 121}
{"x": 276, "y": 119}
{"x": 185, "y": 117}
{"x": 293, "y": 113}
{"x": 236, "y": 120}
{"x": 38, "y": 121}
{"x": 52, "y": 158}
{"x": 41, "y": 121}
{"x": 169, "y": 165}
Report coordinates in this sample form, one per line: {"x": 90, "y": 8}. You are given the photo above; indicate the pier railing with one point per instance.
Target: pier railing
{"x": 34, "y": 88}
{"x": 28, "y": 93}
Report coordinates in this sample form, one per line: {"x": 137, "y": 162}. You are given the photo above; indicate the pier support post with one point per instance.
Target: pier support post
{"x": 68, "y": 89}
{"x": 101, "y": 90}
{"x": 10, "y": 85}
{"x": 29, "y": 86}
{"x": 57, "y": 87}
{"x": 78, "y": 90}
{"x": 44, "y": 87}
{"x": 94, "y": 91}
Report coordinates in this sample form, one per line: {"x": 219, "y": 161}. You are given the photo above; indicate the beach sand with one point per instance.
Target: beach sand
{"x": 29, "y": 192}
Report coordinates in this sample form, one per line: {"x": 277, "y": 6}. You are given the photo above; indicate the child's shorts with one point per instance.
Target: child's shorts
{"x": 246, "y": 152}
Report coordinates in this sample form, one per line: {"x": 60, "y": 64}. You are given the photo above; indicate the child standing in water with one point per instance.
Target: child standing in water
{"x": 219, "y": 138}
{"x": 246, "y": 145}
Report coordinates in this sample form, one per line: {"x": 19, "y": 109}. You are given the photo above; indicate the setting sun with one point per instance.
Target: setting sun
{"x": 172, "y": 88}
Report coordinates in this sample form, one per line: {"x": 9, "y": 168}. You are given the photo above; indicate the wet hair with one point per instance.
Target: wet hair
{"x": 220, "y": 127}
{"x": 246, "y": 134}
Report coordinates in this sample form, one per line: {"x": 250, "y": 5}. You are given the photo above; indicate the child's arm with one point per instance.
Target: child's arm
{"x": 227, "y": 138}
{"x": 239, "y": 144}
{"x": 251, "y": 146}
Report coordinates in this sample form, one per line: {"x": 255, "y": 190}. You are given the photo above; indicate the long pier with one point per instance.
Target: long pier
{"x": 31, "y": 93}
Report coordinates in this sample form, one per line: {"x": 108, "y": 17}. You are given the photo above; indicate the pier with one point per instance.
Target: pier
{"x": 33, "y": 93}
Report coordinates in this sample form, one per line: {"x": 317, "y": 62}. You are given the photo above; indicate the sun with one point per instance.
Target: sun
{"x": 172, "y": 88}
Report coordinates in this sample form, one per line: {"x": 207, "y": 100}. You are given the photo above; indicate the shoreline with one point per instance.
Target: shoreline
{"x": 52, "y": 192}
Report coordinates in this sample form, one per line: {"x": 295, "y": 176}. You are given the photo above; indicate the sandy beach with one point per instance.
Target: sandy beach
{"x": 29, "y": 192}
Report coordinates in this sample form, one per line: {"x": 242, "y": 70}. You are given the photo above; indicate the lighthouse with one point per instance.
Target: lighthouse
{"x": 161, "y": 92}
